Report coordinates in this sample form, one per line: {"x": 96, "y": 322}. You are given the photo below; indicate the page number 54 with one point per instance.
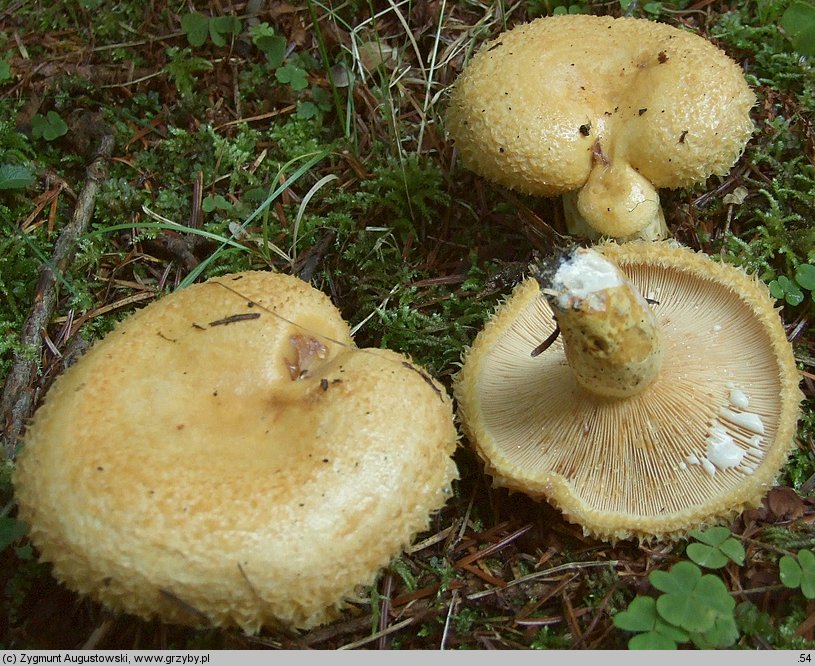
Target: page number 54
{"x": 804, "y": 657}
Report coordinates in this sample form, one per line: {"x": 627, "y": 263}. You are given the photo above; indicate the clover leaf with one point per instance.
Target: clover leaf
{"x": 799, "y": 572}
{"x": 641, "y": 616}
{"x": 789, "y": 571}
{"x": 783, "y": 287}
{"x": 806, "y": 559}
{"x": 651, "y": 640}
{"x": 272, "y": 45}
{"x": 682, "y": 577}
{"x": 798, "y": 22}
{"x": 222, "y": 27}
{"x": 293, "y": 75}
{"x": 50, "y": 126}
{"x": 691, "y": 601}
{"x": 693, "y": 607}
{"x": 213, "y": 202}
{"x": 717, "y": 548}
{"x": 196, "y": 27}
{"x": 723, "y": 633}
{"x": 805, "y": 276}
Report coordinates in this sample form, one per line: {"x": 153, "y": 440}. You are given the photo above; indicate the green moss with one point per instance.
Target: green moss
{"x": 549, "y": 638}
{"x": 406, "y": 249}
{"x": 793, "y": 537}
{"x": 773, "y": 233}
{"x": 799, "y": 468}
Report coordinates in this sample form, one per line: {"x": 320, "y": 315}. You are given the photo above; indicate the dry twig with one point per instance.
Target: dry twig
{"x": 18, "y": 396}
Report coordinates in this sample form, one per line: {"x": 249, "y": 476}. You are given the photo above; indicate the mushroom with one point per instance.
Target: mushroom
{"x": 603, "y": 111}
{"x": 227, "y": 456}
{"x": 668, "y": 401}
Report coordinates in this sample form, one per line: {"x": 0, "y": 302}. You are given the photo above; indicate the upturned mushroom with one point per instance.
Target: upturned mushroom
{"x": 668, "y": 401}
{"x": 602, "y": 111}
{"x": 227, "y": 456}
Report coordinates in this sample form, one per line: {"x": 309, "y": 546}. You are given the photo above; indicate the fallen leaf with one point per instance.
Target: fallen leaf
{"x": 784, "y": 503}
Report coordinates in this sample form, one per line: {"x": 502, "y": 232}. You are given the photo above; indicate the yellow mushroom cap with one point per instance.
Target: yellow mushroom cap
{"x": 703, "y": 442}
{"x": 617, "y": 107}
{"x": 226, "y": 456}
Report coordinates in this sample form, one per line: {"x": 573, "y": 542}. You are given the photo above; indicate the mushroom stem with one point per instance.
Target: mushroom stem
{"x": 611, "y": 338}
{"x": 616, "y": 202}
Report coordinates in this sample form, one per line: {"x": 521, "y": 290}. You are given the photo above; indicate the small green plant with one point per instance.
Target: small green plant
{"x": 11, "y": 530}
{"x": 791, "y": 290}
{"x": 546, "y": 7}
{"x": 182, "y": 66}
{"x": 651, "y": 8}
{"x": 5, "y": 70}
{"x": 215, "y": 202}
{"x": 548, "y": 639}
{"x": 753, "y": 621}
{"x": 717, "y": 547}
{"x": 49, "y": 127}
{"x": 799, "y": 572}
{"x": 15, "y": 177}
{"x": 653, "y": 632}
{"x": 465, "y": 620}
{"x": 220, "y": 29}
{"x": 693, "y": 607}
{"x": 571, "y": 9}
{"x": 444, "y": 571}
{"x": 319, "y": 104}
{"x": 292, "y": 75}
{"x": 399, "y": 567}
{"x": 798, "y": 23}
{"x": 272, "y": 45}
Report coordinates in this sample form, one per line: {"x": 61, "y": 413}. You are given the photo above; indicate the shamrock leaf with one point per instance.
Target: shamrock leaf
{"x": 273, "y": 46}
{"x": 211, "y": 203}
{"x": 798, "y": 22}
{"x": 717, "y": 548}
{"x": 783, "y": 287}
{"x": 221, "y": 27}
{"x": 651, "y": 641}
{"x": 691, "y": 601}
{"x": 806, "y": 559}
{"x": 789, "y": 571}
{"x": 49, "y": 127}
{"x": 805, "y": 276}
{"x": 642, "y": 616}
{"x": 196, "y": 27}
{"x": 723, "y": 633}
{"x": 293, "y": 75}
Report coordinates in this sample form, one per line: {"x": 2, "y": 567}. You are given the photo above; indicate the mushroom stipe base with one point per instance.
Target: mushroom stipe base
{"x": 702, "y": 443}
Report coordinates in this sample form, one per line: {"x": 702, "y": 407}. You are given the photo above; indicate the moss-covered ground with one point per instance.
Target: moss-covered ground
{"x": 309, "y": 138}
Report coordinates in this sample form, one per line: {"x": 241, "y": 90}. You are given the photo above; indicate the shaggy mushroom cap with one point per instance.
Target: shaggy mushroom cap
{"x": 226, "y": 456}
{"x": 607, "y": 110}
{"x": 703, "y": 427}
